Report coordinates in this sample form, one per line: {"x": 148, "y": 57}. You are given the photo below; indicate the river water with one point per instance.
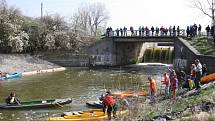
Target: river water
{"x": 80, "y": 84}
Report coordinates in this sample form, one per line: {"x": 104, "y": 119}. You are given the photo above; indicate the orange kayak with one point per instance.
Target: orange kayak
{"x": 208, "y": 78}
{"x": 127, "y": 94}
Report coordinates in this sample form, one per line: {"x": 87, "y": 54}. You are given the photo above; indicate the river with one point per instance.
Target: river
{"x": 80, "y": 84}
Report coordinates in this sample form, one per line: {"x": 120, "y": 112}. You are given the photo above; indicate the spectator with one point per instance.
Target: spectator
{"x": 147, "y": 31}
{"x": 162, "y": 31}
{"x": 178, "y": 31}
{"x": 188, "y": 31}
{"x": 143, "y": 29}
{"x": 170, "y": 31}
{"x": 121, "y": 31}
{"x": 125, "y": 31}
{"x": 157, "y": 31}
{"x": 152, "y": 30}
{"x": 208, "y": 30}
{"x": 140, "y": 31}
{"x": 195, "y": 30}
{"x": 212, "y": 31}
{"x": 117, "y": 32}
{"x": 132, "y": 31}
{"x": 108, "y": 32}
{"x": 174, "y": 31}
{"x": 199, "y": 30}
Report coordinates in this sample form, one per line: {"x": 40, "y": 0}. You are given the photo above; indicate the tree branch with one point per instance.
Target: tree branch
{"x": 210, "y": 4}
{"x": 199, "y": 6}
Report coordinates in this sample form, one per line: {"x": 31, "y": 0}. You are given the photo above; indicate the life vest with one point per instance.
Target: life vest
{"x": 175, "y": 83}
{"x": 166, "y": 80}
{"x": 193, "y": 73}
{"x": 153, "y": 86}
{"x": 108, "y": 100}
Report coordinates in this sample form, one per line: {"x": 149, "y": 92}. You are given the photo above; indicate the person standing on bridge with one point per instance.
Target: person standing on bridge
{"x": 143, "y": 31}
{"x": 174, "y": 31}
{"x": 188, "y": 31}
{"x": 156, "y": 31}
{"x": 132, "y": 30}
{"x": 178, "y": 31}
{"x": 208, "y": 30}
{"x": 107, "y": 32}
{"x": 125, "y": 31}
{"x": 140, "y": 31}
{"x": 170, "y": 31}
{"x": 117, "y": 32}
{"x": 147, "y": 31}
{"x": 152, "y": 30}
{"x": 199, "y": 30}
{"x": 121, "y": 32}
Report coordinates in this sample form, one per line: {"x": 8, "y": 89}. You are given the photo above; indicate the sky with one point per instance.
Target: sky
{"x": 124, "y": 12}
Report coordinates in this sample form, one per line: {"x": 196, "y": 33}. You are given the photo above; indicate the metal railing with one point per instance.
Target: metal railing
{"x": 149, "y": 33}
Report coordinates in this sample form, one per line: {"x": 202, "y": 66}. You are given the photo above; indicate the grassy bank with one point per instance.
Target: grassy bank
{"x": 203, "y": 44}
{"x": 183, "y": 109}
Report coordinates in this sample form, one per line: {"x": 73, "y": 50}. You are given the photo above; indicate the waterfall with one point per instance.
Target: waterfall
{"x": 158, "y": 55}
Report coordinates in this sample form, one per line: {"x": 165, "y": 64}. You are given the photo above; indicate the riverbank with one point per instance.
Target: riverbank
{"x": 191, "y": 105}
{"x": 26, "y": 64}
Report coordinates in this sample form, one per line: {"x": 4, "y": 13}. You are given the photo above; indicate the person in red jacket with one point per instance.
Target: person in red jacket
{"x": 110, "y": 104}
{"x": 174, "y": 87}
{"x": 166, "y": 82}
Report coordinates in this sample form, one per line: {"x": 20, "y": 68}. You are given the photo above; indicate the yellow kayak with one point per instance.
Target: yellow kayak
{"x": 208, "y": 78}
{"x": 90, "y": 115}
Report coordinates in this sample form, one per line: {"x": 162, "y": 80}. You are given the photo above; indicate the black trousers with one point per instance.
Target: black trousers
{"x": 197, "y": 80}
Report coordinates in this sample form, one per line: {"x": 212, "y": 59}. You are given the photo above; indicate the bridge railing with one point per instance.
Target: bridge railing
{"x": 149, "y": 33}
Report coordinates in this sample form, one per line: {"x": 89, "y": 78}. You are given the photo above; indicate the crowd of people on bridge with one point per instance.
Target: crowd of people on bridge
{"x": 191, "y": 31}
{"x": 145, "y": 31}
{"x": 174, "y": 81}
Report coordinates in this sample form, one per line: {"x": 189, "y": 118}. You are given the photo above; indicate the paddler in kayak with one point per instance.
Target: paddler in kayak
{"x": 12, "y": 100}
{"x": 110, "y": 103}
{"x": 3, "y": 74}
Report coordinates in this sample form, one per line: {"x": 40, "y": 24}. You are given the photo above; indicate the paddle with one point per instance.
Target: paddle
{"x": 57, "y": 104}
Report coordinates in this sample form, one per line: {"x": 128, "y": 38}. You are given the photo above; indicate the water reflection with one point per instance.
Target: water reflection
{"x": 77, "y": 83}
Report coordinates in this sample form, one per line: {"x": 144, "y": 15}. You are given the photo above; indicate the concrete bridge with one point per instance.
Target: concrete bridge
{"x": 119, "y": 50}
{"x": 122, "y": 50}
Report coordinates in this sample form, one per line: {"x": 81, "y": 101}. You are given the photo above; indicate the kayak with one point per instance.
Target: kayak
{"x": 37, "y": 104}
{"x": 90, "y": 115}
{"x": 208, "y": 78}
{"x": 11, "y": 76}
{"x": 94, "y": 104}
{"x": 128, "y": 94}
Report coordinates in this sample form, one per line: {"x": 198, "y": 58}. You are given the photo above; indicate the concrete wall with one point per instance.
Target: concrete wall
{"x": 111, "y": 52}
{"x": 66, "y": 58}
{"x": 102, "y": 53}
{"x": 185, "y": 55}
{"x": 127, "y": 52}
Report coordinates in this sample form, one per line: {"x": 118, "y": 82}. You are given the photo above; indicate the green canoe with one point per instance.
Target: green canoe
{"x": 37, "y": 104}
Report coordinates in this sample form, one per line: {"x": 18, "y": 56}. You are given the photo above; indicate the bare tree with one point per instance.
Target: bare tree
{"x": 97, "y": 17}
{"x": 90, "y": 18}
{"x": 206, "y": 7}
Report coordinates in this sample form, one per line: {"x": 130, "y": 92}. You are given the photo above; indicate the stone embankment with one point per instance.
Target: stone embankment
{"x": 26, "y": 64}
